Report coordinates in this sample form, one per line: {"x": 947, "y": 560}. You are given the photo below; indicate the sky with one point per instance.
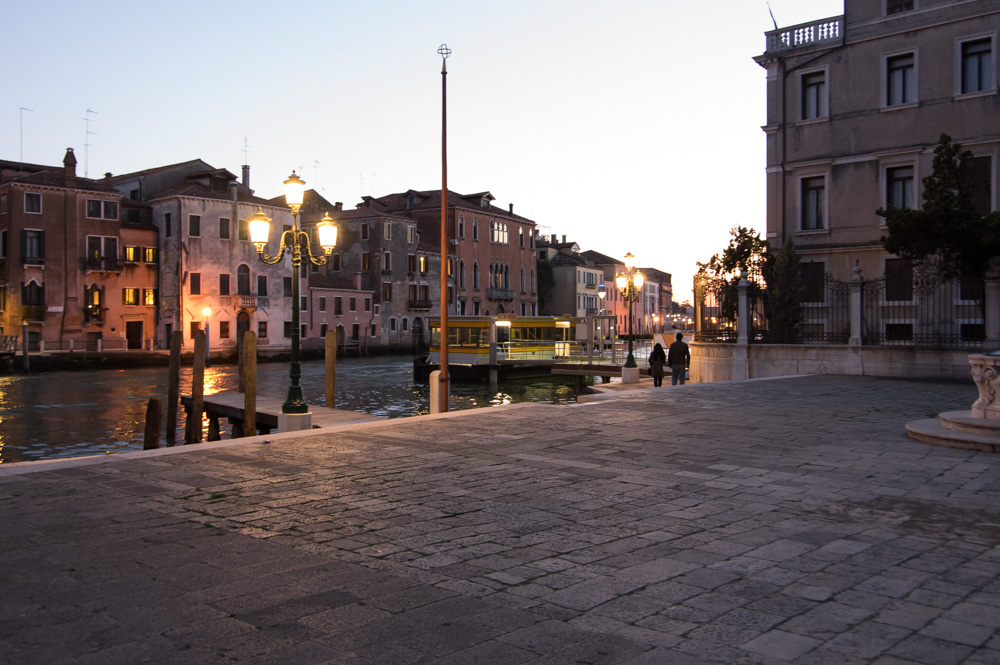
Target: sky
{"x": 625, "y": 125}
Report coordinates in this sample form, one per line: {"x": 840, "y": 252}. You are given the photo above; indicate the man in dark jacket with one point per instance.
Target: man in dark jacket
{"x": 679, "y": 358}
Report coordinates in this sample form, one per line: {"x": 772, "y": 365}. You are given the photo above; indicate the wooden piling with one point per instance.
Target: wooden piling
{"x": 154, "y": 417}
{"x": 197, "y": 389}
{"x": 248, "y": 372}
{"x": 173, "y": 385}
{"x": 331, "y": 368}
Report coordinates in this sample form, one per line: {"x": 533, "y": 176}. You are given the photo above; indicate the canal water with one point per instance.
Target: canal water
{"x": 68, "y": 414}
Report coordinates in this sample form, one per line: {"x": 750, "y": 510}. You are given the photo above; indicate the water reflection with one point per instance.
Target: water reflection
{"x": 68, "y": 414}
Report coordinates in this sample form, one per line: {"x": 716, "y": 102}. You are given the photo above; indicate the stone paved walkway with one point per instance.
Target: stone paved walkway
{"x": 764, "y": 522}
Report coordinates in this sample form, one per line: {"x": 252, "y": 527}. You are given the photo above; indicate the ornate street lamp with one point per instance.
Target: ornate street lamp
{"x": 292, "y": 241}
{"x": 630, "y": 284}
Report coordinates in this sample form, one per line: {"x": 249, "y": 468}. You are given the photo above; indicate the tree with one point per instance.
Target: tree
{"x": 747, "y": 251}
{"x": 785, "y": 286}
{"x": 947, "y": 234}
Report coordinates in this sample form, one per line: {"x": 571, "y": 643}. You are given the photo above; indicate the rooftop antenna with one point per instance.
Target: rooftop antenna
{"x": 86, "y": 144}
{"x": 23, "y": 109}
{"x": 246, "y": 147}
{"x": 772, "y": 16}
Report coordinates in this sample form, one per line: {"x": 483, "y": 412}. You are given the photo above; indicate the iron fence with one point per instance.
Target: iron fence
{"x": 924, "y": 312}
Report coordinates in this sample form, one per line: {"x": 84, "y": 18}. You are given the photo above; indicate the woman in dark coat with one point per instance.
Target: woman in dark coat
{"x": 657, "y": 359}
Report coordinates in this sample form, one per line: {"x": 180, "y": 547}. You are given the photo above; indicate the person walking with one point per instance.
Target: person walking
{"x": 657, "y": 359}
{"x": 679, "y": 358}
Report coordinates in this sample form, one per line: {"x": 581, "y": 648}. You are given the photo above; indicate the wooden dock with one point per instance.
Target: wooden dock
{"x": 229, "y": 405}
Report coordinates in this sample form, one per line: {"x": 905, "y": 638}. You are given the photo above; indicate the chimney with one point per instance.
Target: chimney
{"x": 512, "y": 208}
{"x": 246, "y": 176}
{"x": 564, "y": 239}
{"x": 554, "y": 238}
{"x": 69, "y": 168}
{"x": 338, "y": 206}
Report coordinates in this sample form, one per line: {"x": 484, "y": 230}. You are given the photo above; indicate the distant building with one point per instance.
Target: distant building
{"x": 78, "y": 265}
{"x": 206, "y": 258}
{"x": 855, "y": 106}
{"x": 575, "y": 279}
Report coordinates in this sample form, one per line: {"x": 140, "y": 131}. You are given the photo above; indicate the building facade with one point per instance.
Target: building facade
{"x": 210, "y": 274}
{"x": 855, "y": 106}
{"x": 78, "y": 266}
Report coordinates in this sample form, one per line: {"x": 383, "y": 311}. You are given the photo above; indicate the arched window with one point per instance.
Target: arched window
{"x": 461, "y": 274}
{"x": 243, "y": 280}
{"x": 475, "y": 275}
{"x": 522, "y": 277}
{"x": 532, "y": 280}
{"x": 506, "y": 277}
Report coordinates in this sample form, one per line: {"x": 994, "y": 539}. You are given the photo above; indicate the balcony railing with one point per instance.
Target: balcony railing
{"x": 103, "y": 264}
{"x": 94, "y": 315}
{"x": 249, "y": 302}
{"x": 500, "y": 294}
{"x": 419, "y": 304}
{"x": 805, "y": 34}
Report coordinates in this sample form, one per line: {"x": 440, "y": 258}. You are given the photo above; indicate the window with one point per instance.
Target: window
{"x": 520, "y": 238}
{"x": 32, "y": 247}
{"x": 304, "y": 303}
{"x": 352, "y": 304}
{"x": 901, "y": 79}
{"x": 149, "y": 297}
{"x": 322, "y": 330}
{"x": 523, "y": 285}
{"x": 422, "y": 261}
{"x": 131, "y": 254}
{"x": 194, "y": 283}
{"x": 333, "y": 263}
{"x": 262, "y": 285}
{"x": 411, "y": 263}
{"x": 223, "y": 329}
{"x": 898, "y": 280}
{"x": 195, "y": 327}
{"x": 388, "y": 231}
{"x": 98, "y": 209}
{"x": 365, "y": 261}
{"x": 461, "y": 225}
{"x": 32, "y": 202}
{"x": 977, "y": 65}
{"x": 167, "y": 226}
{"x": 813, "y": 203}
{"x": 287, "y": 329}
{"x": 355, "y": 331}
{"x": 33, "y": 294}
{"x": 338, "y": 305}
{"x": 475, "y": 276}
{"x": 406, "y": 324}
{"x": 897, "y": 6}
{"x": 3, "y": 245}
{"x": 392, "y": 325}
{"x": 899, "y": 187}
{"x": 149, "y": 254}
{"x": 979, "y": 174}
{"x": 461, "y": 274}
{"x": 3, "y": 202}
{"x": 386, "y": 291}
{"x": 364, "y": 230}
{"x": 387, "y": 261}
{"x": 368, "y": 304}
{"x": 194, "y": 225}
{"x": 243, "y": 232}
{"x": 814, "y": 99}
{"x": 411, "y": 234}
{"x": 224, "y": 284}
{"x": 223, "y": 227}
{"x": 475, "y": 228}
{"x": 130, "y": 296}
{"x": 813, "y": 275}
{"x": 322, "y": 303}
{"x": 262, "y": 329}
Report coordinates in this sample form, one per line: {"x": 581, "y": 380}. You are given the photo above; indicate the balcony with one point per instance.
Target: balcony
{"x": 103, "y": 264}
{"x": 500, "y": 294}
{"x": 249, "y": 302}
{"x": 416, "y": 305}
{"x": 824, "y": 31}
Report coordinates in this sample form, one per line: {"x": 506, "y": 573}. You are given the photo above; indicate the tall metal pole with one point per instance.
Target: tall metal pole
{"x": 630, "y": 361}
{"x": 443, "y": 382}
{"x": 295, "y": 403}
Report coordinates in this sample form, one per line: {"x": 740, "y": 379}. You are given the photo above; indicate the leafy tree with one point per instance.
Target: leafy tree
{"x": 720, "y": 275}
{"x": 946, "y": 234}
{"x": 785, "y": 288}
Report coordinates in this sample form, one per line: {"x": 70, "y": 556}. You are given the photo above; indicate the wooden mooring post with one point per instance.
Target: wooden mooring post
{"x": 173, "y": 385}
{"x": 193, "y": 429}
{"x": 248, "y": 378}
{"x": 154, "y": 417}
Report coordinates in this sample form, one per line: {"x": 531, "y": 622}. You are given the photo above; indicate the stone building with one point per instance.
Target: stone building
{"x": 78, "y": 265}
{"x": 855, "y": 106}
{"x": 209, "y": 271}
{"x": 575, "y": 279}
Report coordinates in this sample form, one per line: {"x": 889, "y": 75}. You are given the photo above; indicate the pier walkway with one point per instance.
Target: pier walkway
{"x": 747, "y": 523}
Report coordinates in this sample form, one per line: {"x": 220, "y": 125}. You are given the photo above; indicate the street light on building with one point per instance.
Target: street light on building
{"x": 296, "y": 242}
{"x": 630, "y": 285}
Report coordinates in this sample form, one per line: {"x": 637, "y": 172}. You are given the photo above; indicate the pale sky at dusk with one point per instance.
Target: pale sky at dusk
{"x": 631, "y": 125}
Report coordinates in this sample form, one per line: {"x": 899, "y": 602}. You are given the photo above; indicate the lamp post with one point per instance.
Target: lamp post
{"x": 630, "y": 284}
{"x": 602, "y": 291}
{"x": 292, "y": 241}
